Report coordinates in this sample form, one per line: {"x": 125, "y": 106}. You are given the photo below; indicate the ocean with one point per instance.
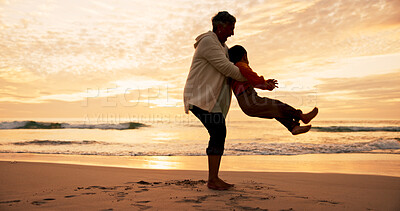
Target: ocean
{"x": 157, "y": 137}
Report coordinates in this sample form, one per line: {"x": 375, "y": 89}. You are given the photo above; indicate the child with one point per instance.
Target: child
{"x": 263, "y": 107}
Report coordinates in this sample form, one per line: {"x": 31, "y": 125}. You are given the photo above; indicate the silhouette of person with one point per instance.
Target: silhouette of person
{"x": 207, "y": 92}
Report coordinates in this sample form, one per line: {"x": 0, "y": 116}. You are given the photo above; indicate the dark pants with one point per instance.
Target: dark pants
{"x": 263, "y": 107}
{"x": 215, "y": 124}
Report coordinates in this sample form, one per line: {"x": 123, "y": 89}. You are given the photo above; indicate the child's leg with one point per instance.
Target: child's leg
{"x": 263, "y": 107}
{"x": 256, "y": 106}
{"x": 288, "y": 123}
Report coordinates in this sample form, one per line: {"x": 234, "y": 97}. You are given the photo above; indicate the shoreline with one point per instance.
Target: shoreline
{"x": 351, "y": 163}
{"x": 51, "y": 186}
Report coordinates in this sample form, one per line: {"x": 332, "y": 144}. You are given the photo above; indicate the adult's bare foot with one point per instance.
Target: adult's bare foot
{"x": 227, "y": 184}
{"x": 306, "y": 118}
{"x": 300, "y": 129}
{"x": 218, "y": 184}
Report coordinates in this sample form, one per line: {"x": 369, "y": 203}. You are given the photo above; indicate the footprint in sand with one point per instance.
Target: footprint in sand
{"x": 290, "y": 209}
{"x": 185, "y": 200}
{"x": 281, "y": 191}
{"x": 328, "y": 202}
{"x": 142, "y": 202}
{"x": 250, "y": 208}
{"x": 43, "y": 201}
{"x": 38, "y": 203}
{"x": 6, "y": 202}
{"x": 141, "y": 206}
{"x": 10, "y": 202}
{"x": 143, "y": 182}
{"x": 90, "y": 193}
{"x": 100, "y": 187}
{"x": 142, "y": 190}
{"x": 200, "y": 199}
{"x": 119, "y": 195}
{"x": 301, "y": 197}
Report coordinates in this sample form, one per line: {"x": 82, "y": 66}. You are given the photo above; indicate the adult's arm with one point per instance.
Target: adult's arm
{"x": 213, "y": 53}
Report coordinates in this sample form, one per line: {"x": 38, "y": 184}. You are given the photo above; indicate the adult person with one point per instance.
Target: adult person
{"x": 207, "y": 92}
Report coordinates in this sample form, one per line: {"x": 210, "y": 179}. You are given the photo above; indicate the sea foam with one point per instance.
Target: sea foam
{"x": 87, "y": 147}
{"x": 355, "y": 129}
{"x": 56, "y": 125}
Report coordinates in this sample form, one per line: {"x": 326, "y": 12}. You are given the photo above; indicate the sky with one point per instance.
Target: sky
{"x": 128, "y": 58}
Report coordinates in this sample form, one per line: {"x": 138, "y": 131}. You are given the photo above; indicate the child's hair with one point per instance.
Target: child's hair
{"x": 236, "y": 53}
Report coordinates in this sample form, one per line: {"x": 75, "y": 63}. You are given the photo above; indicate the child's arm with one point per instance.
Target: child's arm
{"x": 271, "y": 84}
{"x": 254, "y": 79}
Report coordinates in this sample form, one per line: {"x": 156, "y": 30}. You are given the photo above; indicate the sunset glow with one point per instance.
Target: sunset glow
{"x": 74, "y": 58}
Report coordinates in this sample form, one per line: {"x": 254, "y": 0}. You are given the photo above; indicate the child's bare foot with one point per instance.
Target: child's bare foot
{"x": 218, "y": 184}
{"x": 300, "y": 129}
{"x": 306, "y": 118}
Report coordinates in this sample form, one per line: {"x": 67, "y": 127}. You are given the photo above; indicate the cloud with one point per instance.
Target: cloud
{"x": 321, "y": 30}
{"x": 56, "y": 50}
{"x": 365, "y": 96}
{"x": 17, "y": 75}
{"x": 378, "y": 84}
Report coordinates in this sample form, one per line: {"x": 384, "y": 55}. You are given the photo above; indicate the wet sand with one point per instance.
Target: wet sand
{"x": 34, "y": 185}
{"x": 346, "y": 163}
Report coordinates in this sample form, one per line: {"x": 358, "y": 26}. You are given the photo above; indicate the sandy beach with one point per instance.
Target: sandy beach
{"x": 34, "y": 186}
{"x": 118, "y": 105}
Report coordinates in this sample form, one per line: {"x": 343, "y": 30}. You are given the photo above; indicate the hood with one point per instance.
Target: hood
{"x": 201, "y": 36}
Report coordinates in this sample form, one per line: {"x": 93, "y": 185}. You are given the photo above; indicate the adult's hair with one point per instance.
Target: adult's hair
{"x": 222, "y": 18}
{"x": 236, "y": 53}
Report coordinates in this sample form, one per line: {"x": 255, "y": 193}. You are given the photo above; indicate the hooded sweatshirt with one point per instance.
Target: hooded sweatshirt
{"x": 208, "y": 74}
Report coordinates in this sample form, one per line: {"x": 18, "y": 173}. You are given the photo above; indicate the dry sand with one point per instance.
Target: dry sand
{"x": 31, "y": 186}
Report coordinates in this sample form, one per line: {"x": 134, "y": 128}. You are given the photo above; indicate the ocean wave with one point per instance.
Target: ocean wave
{"x": 51, "y": 142}
{"x": 356, "y": 129}
{"x": 389, "y": 146}
{"x": 56, "y": 125}
{"x": 381, "y": 146}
